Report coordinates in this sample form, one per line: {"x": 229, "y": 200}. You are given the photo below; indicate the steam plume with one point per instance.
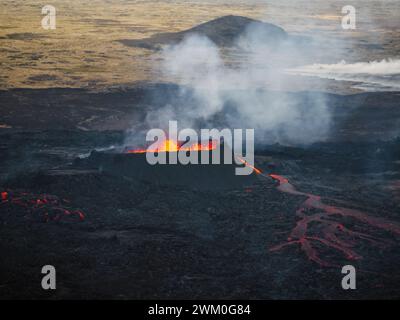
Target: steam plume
{"x": 240, "y": 94}
{"x": 249, "y": 94}
{"x": 373, "y": 76}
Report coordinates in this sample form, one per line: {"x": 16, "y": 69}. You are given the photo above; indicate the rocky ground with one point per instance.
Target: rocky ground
{"x": 285, "y": 233}
{"x": 365, "y": 116}
{"x": 114, "y": 236}
{"x": 145, "y": 240}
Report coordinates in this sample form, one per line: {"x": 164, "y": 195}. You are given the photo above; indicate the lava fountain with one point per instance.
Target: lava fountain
{"x": 170, "y": 145}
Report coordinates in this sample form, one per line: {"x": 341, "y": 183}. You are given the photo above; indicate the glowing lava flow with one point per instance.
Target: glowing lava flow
{"x": 258, "y": 171}
{"x": 172, "y": 146}
{"x": 334, "y": 234}
{"x": 50, "y": 206}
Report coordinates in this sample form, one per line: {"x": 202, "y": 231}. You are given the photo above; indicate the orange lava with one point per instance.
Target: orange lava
{"x": 258, "y": 171}
{"x": 50, "y": 206}
{"x": 172, "y": 146}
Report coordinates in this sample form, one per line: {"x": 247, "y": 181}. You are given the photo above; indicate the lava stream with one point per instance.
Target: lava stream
{"x": 50, "y": 206}
{"x": 332, "y": 231}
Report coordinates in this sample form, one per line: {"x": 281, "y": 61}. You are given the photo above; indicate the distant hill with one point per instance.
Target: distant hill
{"x": 222, "y": 31}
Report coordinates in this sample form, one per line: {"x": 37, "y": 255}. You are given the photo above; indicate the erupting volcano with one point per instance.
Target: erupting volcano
{"x": 132, "y": 163}
{"x": 318, "y": 223}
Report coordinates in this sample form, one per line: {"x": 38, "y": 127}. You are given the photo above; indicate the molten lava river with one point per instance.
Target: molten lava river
{"x": 333, "y": 234}
{"x": 325, "y": 218}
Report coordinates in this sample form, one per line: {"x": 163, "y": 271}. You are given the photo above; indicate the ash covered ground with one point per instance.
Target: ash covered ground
{"x": 140, "y": 239}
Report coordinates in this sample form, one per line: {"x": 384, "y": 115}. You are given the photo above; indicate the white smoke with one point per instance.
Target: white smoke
{"x": 381, "y": 75}
{"x": 196, "y": 61}
{"x": 242, "y": 93}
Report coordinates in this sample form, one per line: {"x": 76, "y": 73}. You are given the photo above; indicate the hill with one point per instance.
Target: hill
{"x": 222, "y": 31}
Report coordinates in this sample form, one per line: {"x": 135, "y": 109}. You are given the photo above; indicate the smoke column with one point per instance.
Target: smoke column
{"x": 241, "y": 94}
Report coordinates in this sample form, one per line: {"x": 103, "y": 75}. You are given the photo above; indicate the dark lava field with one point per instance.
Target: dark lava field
{"x": 284, "y": 234}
